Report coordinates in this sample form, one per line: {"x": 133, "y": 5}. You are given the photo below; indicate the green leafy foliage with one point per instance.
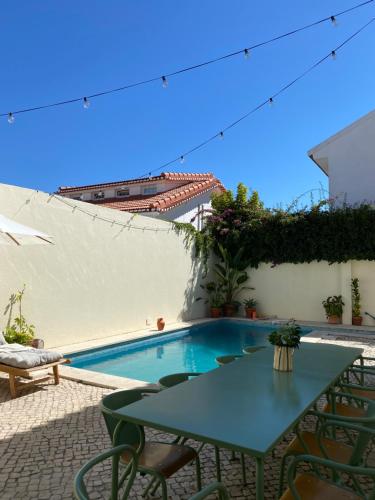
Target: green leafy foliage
{"x": 288, "y": 335}
{"x": 276, "y": 236}
{"x": 249, "y": 303}
{"x": 333, "y": 305}
{"x": 17, "y": 330}
{"x": 214, "y": 294}
{"x": 356, "y": 298}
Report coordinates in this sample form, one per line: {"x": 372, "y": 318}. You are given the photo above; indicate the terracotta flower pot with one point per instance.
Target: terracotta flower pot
{"x": 160, "y": 324}
{"x": 215, "y": 312}
{"x": 229, "y": 310}
{"x": 37, "y": 343}
{"x": 334, "y": 320}
{"x": 251, "y": 312}
{"x": 357, "y": 320}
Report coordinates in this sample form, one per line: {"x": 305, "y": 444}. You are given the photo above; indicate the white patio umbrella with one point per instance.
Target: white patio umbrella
{"x": 13, "y": 232}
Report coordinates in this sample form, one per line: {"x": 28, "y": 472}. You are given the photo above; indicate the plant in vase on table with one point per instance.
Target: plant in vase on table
{"x": 334, "y": 306}
{"x": 285, "y": 339}
{"x": 356, "y": 303}
{"x": 250, "y": 308}
{"x": 231, "y": 275}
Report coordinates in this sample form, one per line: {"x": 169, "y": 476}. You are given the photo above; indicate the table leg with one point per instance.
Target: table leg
{"x": 259, "y": 478}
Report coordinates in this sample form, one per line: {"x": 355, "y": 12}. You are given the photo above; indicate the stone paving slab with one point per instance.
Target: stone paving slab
{"x": 50, "y": 431}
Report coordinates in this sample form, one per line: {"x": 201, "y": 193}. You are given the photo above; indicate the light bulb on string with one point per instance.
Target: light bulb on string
{"x": 271, "y": 101}
{"x": 182, "y": 159}
{"x": 334, "y": 21}
{"x": 11, "y": 118}
{"x": 165, "y": 82}
{"x": 333, "y": 54}
{"x": 86, "y": 103}
{"x": 221, "y": 135}
{"x": 246, "y": 53}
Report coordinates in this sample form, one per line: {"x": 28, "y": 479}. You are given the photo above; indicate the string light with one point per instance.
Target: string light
{"x": 10, "y": 118}
{"x": 246, "y": 53}
{"x": 270, "y": 101}
{"x": 221, "y": 135}
{"x": 333, "y": 55}
{"x": 86, "y": 103}
{"x": 182, "y": 159}
{"x": 242, "y": 51}
{"x": 334, "y": 21}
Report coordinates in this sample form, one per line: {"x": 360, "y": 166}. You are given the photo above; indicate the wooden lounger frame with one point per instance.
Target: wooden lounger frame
{"x": 13, "y": 372}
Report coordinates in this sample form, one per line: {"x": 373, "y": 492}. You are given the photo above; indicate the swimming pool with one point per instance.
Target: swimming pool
{"x": 191, "y": 349}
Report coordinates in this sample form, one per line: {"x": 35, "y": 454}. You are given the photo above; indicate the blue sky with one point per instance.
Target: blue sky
{"x": 59, "y": 50}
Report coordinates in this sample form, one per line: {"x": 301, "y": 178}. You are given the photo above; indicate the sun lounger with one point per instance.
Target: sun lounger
{"x": 20, "y": 361}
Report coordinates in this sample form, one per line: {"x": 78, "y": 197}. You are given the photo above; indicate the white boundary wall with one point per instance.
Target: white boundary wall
{"x": 97, "y": 280}
{"x": 297, "y": 290}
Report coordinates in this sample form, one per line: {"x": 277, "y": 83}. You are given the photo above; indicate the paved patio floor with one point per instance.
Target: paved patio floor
{"x": 50, "y": 431}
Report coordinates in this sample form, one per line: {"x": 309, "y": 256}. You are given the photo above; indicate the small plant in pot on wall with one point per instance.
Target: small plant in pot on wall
{"x": 250, "y": 308}
{"x": 285, "y": 339}
{"x": 356, "y": 303}
{"x": 215, "y": 298}
{"x": 334, "y": 307}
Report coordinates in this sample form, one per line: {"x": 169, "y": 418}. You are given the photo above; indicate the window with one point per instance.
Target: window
{"x": 150, "y": 189}
{"x": 98, "y": 195}
{"x": 78, "y": 197}
{"x": 123, "y": 192}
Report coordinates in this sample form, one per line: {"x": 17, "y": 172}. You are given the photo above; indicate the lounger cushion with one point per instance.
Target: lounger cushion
{"x": 25, "y": 357}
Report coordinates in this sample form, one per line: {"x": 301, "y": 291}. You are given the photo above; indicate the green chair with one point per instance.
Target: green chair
{"x": 80, "y": 491}
{"x": 252, "y": 349}
{"x": 321, "y": 446}
{"x": 176, "y": 378}
{"x": 228, "y": 358}
{"x": 311, "y": 485}
{"x": 173, "y": 379}
{"x": 160, "y": 460}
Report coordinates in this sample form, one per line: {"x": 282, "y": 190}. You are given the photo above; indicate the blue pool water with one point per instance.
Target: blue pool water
{"x": 189, "y": 350}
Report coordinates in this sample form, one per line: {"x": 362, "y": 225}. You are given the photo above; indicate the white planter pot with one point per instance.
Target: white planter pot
{"x": 283, "y": 359}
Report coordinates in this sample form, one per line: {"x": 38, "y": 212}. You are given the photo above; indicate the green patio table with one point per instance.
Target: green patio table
{"x": 245, "y": 406}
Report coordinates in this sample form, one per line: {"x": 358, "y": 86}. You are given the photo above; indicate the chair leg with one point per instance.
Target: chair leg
{"x": 233, "y": 456}
{"x": 164, "y": 490}
{"x": 282, "y": 472}
{"x": 56, "y": 375}
{"x": 243, "y": 466}
{"x": 198, "y": 472}
{"x": 12, "y": 385}
{"x": 157, "y": 484}
{"x": 218, "y": 465}
{"x": 147, "y": 489}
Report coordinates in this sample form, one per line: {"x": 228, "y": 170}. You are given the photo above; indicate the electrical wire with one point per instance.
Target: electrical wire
{"x": 246, "y": 51}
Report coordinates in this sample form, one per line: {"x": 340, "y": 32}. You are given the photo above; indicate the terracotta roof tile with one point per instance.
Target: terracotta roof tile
{"x": 167, "y": 199}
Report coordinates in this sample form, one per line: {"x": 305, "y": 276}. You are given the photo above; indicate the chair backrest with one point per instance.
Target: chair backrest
{"x": 209, "y": 490}
{"x": 176, "y": 378}
{"x": 79, "y": 488}
{"x": 130, "y": 433}
{"x": 363, "y": 439}
{"x": 252, "y": 349}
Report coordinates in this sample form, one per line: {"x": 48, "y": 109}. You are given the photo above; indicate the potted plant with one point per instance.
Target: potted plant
{"x": 334, "y": 306}
{"x": 215, "y": 298}
{"x": 250, "y": 308}
{"x": 18, "y": 331}
{"x": 356, "y": 303}
{"x": 285, "y": 339}
{"x": 231, "y": 275}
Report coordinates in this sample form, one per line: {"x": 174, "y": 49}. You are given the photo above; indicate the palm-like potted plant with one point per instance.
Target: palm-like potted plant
{"x": 356, "y": 303}
{"x": 334, "y": 306}
{"x": 285, "y": 339}
{"x": 231, "y": 275}
{"x": 214, "y": 298}
{"x": 250, "y": 308}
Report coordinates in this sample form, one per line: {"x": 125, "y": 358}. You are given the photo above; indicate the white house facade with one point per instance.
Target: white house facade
{"x": 348, "y": 159}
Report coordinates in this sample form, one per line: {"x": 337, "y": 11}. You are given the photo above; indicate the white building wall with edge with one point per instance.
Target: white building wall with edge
{"x": 98, "y": 279}
{"x": 348, "y": 158}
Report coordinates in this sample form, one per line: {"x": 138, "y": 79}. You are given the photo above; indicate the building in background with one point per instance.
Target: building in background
{"x": 181, "y": 197}
{"x": 348, "y": 159}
